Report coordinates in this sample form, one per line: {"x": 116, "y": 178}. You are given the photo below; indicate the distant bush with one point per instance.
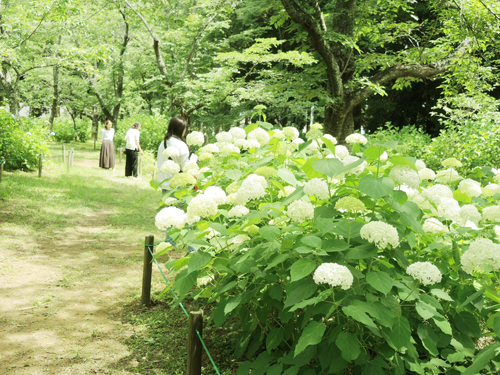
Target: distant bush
{"x": 152, "y": 132}
{"x": 65, "y": 131}
{"x": 21, "y": 143}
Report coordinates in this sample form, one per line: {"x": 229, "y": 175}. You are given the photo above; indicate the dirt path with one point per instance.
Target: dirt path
{"x": 62, "y": 292}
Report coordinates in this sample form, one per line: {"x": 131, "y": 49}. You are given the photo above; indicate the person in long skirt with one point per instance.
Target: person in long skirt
{"x": 132, "y": 150}
{"x": 107, "y": 158}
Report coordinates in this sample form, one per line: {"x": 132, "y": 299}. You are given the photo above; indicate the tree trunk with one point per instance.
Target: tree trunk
{"x": 55, "y": 101}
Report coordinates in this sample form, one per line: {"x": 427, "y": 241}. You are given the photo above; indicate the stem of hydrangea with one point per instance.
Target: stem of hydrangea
{"x": 378, "y": 160}
{"x": 417, "y": 283}
{"x": 348, "y": 230}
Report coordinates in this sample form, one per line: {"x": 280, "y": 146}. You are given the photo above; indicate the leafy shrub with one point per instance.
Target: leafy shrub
{"x": 65, "y": 131}
{"x": 21, "y": 144}
{"x": 321, "y": 266}
{"x": 152, "y": 132}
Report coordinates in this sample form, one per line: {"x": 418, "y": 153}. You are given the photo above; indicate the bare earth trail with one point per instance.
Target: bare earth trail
{"x": 62, "y": 290}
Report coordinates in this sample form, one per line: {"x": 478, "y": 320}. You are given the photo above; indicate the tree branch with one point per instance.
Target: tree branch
{"x": 489, "y": 10}
{"x": 35, "y": 30}
{"x": 319, "y": 14}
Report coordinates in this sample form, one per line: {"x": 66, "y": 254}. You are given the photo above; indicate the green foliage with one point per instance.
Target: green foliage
{"x": 153, "y": 131}
{"x": 21, "y": 144}
{"x": 65, "y": 132}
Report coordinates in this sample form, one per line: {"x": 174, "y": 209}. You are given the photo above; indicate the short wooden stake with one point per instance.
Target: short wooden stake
{"x": 147, "y": 271}
{"x": 64, "y": 153}
{"x": 1, "y": 167}
{"x": 71, "y": 157}
{"x": 40, "y": 165}
{"x": 194, "y": 342}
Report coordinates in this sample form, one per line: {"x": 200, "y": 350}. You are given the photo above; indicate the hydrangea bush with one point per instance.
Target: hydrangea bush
{"x": 330, "y": 261}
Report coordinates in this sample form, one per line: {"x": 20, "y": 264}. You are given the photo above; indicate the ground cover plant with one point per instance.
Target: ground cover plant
{"x": 333, "y": 260}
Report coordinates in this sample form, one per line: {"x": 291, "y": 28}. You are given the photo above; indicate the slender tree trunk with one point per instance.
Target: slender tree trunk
{"x": 55, "y": 100}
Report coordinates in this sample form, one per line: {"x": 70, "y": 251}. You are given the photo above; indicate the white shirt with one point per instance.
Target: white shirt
{"x": 182, "y": 159}
{"x": 107, "y": 135}
{"x": 132, "y": 138}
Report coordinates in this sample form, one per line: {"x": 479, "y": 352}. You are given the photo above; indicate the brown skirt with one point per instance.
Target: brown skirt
{"x": 107, "y": 159}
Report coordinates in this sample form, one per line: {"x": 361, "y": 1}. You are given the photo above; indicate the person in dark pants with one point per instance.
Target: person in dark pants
{"x": 132, "y": 149}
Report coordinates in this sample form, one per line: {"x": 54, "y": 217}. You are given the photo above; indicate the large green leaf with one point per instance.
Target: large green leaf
{"x": 367, "y": 250}
{"x": 373, "y": 153}
{"x": 232, "y": 303}
{"x": 482, "y": 359}
{"x": 299, "y": 291}
{"x": 400, "y": 332}
{"x": 425, "y": 310}
{"x": 428, "y": 338}
{"x": 328, "y": 144}
{"x": 287, "y": 176}
{"x": 348, "y": 345}
{"x": 233, "y": 174}
{"x": 219, "y": 228}
{"x": 302, "y": 268}
{"x": 312, "y": 241}
{"x": 311, "y": 335}
{"x": 329, "y": 167}
{"x": 185, "y": 281}
{"x": 269, "y": 232}
{"x": 309, "y": 170}
{"x": 401, "y": 160}
{"x": 376, "y": 187}
{"x": 198, "y": 260}
{"x": 389, "y": 144}
{"x": 467, "y": 324}
{"x": 357, "y": 313}
{"x": 380, "y": 281}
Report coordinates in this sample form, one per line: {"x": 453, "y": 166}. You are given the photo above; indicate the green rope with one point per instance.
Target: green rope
{"x": 36, "y": 157}
{"x": 180, "y": 304}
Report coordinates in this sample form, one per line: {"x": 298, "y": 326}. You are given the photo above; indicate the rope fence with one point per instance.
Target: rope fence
{"x": 194, "y": 363}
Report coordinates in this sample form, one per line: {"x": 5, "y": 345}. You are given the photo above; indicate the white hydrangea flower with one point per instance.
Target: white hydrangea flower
{"x": 470, "y": 187}
{"x": 451, "y": 162}
{"x": 351, "y": 159}
{"x": 243, "y": 143}
{"x": 482, "y": 252}
{"x": 237, "y": 133}
{"x": 331, "y": 138}
{"x": 384, "y": 156}
{"x": 447, "y": 176}
{"x": 277, "y": 133}
{"x": 182, "y": 179}
{"x": 419, "y": 164}
{"x": 232, "y": 199}
{"x": 312, "y": 147}
{"x": 291, "y": 133}
{"x": 495, "y": 188}
{"x": 202, "y": 206}
{"x": 436, "y": 192}
{"x": 316, "y": 126}
{"x": 170, "y": 152}
{"x": 356, "y": 138}
{"x": 298, "y": 141}
{"x": 211, "y": 148}
{"x": 350, "y": 204}
{"x": 204, "y": 170}
{"x": 170, "y": 217}
{"x": 216, "y": 193}
{"x": 470, "y": 212}
{"x": 300, "y": 211}
{"x": 333, "y": 274}
{"x": 341, "y": 152}
{"x": 425, "y": 272}
{"x": 192, "y": 219}
{"x": 496, "y": 229}
{"x": 238, "y": 211}
{"x": 314, "y": 134}
{"x": 426, "y": 174}
{"x": 204, "y": 156}
{"x": 228, "y": 149}
{"x": 204, "y": 281}
{"x": 163, "y": 246}
{"x": 449, "y": 209}
{"x": 195, "y": 139}
{"x": 380, "y": 233}
{"x": 410, "y": 192}
{"x": 170, "y": 200}
{"x": 253, "y": 187}
{"x": 253, "y": 143}
{"x": 191, "y": 168}
{"x": 491, "y": 213}
{"x": 423, "y": 203}
{"x": 211, "y": 233}
{"x": 318, "y": 188}
{"x": 260, "y": 135}
{"x": 238, "y": 240}
{"x": 433, "y": 225}
{"x": 232, "y": 188}
{"x": 288, "y": 190}
{"x": 404, "y": 174}
{"x": 170, "y": 167}
{"x": 225, "y": 137}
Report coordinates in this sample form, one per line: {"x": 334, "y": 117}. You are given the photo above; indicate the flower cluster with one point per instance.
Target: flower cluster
{"x": 238, "y": 211}
{"x": 291, "y": 133}
{"x": 356, "y": 138}
{"x": 224, "y": 137}
{"x": 195, "y": 139}
{"x": 426, "y": 174}
{"x": 237, "y": 133}
{"x": 333, "y": 274}
{"x": 425, "y": 272}
{"x": 433, "y": 225}
{"x": 300, "y": 211}
{"x": 470, "y": 187}
{"x": 202, "y": 205}
{"x": 447, "y": 176}
{"x": 404, "y": 174}
{"x": 470, "y": 212}
{"x": 482, "y": 253}
{"x": 170, "y": 217}
{"x": 380, "y": 233}
{"x": 491, "y": 213}
{"x": 253, "y": 187}
{"x": 211, "y": 148}
{"x": 266, "y": 171}
{"x": 171, "y": 152}
{"x": 182, "y": 179}
{"x": 451, "y": 162}
{"x": 216, "y": 193}
{"x": 317, "y": 187}
{"x": 287, "y": 191}
{"x": 350, "y": 204}
{"x": 170, "y": 167}
{"x": 260, "y": 135}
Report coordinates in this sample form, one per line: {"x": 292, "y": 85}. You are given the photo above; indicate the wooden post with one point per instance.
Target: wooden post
{"x": 72, "y": 153}
{"x": 194, "y": 342}
{"x": 147, "y": 271}
{"x": 69, "y": 160}
{"x": 2, "y": 162}
{"x": 40, "y": 164}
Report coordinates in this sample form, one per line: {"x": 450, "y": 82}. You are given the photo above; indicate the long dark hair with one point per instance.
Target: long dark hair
{"x": 176, "y": 128}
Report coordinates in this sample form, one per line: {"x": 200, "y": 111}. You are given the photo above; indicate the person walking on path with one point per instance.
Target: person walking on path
{"x": 107, "y": 157}
{"x": 132, "y": 150}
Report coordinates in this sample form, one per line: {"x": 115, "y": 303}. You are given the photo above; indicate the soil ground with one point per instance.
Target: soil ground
{"x": 62, "y": 290}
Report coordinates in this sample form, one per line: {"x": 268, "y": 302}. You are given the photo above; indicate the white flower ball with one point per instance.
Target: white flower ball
{"x": 170, "y": 167}
{"x": 496, "y": 229}
{"x": 238, "y": 211}
{"x": 470, "y": 212}
{"x": 404, "y": 174}
{"x": 300, "y": 211}
{"x": 277, "y": 133}
{"x": 482, "y": 252}
{"x": 242, "y": 143}
{"x": 298, "y": 141}
{"x": 318, "y": 188}
{"x": 237, "y": 133}
{"x": 446, "y": 176}
{"x": 211, "y": 148}
{"x": 238, "y": 240}
{"x": 434, "y": 226}
{"x": 224, "y": 137}
{"x": 380, "y": 233}
{"x": 192, "y": 219}
{"x": 470, "y": 187}
{"x": 356, "y": 138}
{"x": 170, "y": 217}
{"x": 410, "y": 192}
{"x": 171, "y": 152}
{"x": 384, "y": 156}
{"x": 202, "y": 206}
{"x": 495, "y": 188}
{"x": 436, "y": 192}
{"x": 331, "y": 138}
{"x": 491, "y": 213}
{"x": 191, "y": 168}
{"x": 333, "y": 274}
{"x": 216, "y": 193}
{"x": 195, "y": 139}
{"x": 291, "y": 132}
{"x": 426, "y": 174}
{"x": 351, "y": 159}
{"x": 253, "y": 187}
{"x": 288, "y": 190}
{"x": 228, "y": 149}
{"x": 425, "y": 272}
{"x": 253, "y": 143}
{"x": 449, "y": 209}
{"x": 341, "y": 152}
{"x": 260, "y": 135}
{"x": 419, "y": 164}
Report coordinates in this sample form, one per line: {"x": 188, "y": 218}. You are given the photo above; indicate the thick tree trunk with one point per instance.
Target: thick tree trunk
{"x": 55, "y": 100}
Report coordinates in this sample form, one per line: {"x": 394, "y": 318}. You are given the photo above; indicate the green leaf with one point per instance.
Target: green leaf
{"x": 400, "y": 332}
{"x": 442, "y": 294}
{"x": 367, "y": 250}
{"x": 302, "y": 268}
{"x": 219, "y": 228}
{"x": 270, "y": 233}
{"x": 373, "y": 153}
{"x": 401, "y": 160}
{"x": 390, "y": 144}
{"x": 380, "y": 281}
{"x": 274, "y": 338}
{"x": 232, "y": 304}
{"x": 185, "y": 281}
{"x": 311, "y": 335}
{"x": 280, "y": 258}
{"x": 358, "y": 314}
{"x": 443, "y": 325}
{"x": 425, "y": 310}
{"x": 376, "y": 187}
{"x": 287, "y": 176}
{"x": 328, "y": 144}
{"x": 329, "y": 167}
{"x": 251, "y": 127}
{"x": 428, "y": 338}
{"x": 310, "y": 171}
{"x": 467, "y": 324}
{"x": 297, "y": 194}
{"x": 198, "y": 260}
{"x": 348, "y": 345}
{"x": 331, "y": 246}
{"x": 482, "y": 359}
{"x": 312, "y": 241}
{"x": 299, "y": 291}
{"x": 233, "y": 174}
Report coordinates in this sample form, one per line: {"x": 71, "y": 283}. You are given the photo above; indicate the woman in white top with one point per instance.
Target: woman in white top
{"x": 178, "y": 149}
{"x": 132, "y": 149}
{"x": 107, "y": 158}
